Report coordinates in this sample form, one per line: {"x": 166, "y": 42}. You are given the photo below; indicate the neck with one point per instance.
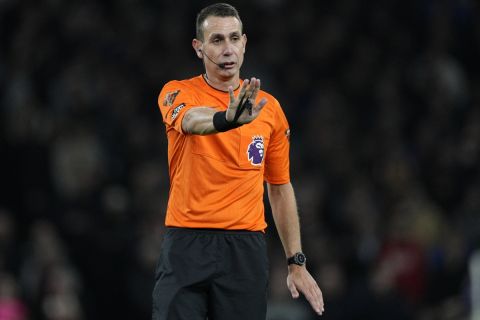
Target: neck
{"x": 223, "y": 83}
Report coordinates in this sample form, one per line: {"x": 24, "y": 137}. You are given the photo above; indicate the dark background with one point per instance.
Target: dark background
{"x": 383, "y": 100}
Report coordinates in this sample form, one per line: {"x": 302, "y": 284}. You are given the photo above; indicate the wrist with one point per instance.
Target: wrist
{"x": 293, "y": 268}
{"x": 221, "y": 124}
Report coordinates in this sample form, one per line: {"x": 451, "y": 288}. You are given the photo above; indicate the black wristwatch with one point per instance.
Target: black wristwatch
{"x": 298, "y": 258}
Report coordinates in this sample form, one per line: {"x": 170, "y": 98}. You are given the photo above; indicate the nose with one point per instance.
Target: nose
{"x": 228, "y": 50}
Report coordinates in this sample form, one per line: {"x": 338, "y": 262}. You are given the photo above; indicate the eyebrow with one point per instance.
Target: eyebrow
{"x": 220, "y": 35}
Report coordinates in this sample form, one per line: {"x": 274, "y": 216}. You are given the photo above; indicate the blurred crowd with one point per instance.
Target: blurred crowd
{"x": 383, "y": 100}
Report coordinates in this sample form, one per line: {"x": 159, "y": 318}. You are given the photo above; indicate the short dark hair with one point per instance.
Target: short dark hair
{"x": 216, "y": 10}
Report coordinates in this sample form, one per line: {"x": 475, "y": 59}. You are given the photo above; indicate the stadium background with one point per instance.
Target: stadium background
{"x": 383, "y": 98}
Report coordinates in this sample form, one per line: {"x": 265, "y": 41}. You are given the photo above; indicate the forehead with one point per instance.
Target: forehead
{"x": 220, "y": 25}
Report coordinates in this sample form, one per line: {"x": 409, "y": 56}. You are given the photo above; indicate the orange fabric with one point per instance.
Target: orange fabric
{"x": 216, "y": 181}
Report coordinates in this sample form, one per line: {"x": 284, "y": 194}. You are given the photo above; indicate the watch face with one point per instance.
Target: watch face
{"x": 300, "y": 257}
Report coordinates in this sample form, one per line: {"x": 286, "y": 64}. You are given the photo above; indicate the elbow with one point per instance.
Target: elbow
{"x": 279, "y": 190}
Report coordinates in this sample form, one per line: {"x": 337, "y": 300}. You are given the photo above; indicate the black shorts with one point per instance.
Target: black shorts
{"x": 211, "y": 274}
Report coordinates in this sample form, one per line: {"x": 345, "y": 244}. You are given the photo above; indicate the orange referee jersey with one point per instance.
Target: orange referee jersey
{"x": 216, "y": 181}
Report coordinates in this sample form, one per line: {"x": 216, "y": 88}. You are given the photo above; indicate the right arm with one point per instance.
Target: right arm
{"x": 199, "y": 120}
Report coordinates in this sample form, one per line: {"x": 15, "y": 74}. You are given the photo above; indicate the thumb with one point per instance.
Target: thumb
{"x": 294, "y": 291}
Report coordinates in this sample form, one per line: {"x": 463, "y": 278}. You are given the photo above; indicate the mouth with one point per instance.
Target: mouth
{"x": 228, "y": 65}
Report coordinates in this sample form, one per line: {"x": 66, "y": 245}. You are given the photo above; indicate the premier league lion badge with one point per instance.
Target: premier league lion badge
{"x": 255, "y": 151}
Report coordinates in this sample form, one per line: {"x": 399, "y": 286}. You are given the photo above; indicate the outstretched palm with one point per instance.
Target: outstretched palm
{"x": 242, "y": 109}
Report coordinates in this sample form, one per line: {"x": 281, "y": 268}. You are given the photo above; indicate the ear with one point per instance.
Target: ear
{"x": 244, "y": 39}
{"x": 197, "y": 46}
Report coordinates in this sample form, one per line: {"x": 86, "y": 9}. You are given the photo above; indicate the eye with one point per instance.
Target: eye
{"x": 235, "y": 38}
{"x": 216, "y": 41}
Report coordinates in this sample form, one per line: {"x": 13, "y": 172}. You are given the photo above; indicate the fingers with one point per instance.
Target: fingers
{"x": 232, "y": 110}
{"x": 315, "y": 298}
{"x": 319, "y": 295}
{"x": 255, "y": 89}
{"x": 235, "y": 103}
{"x": 231, "y": 94}
{"x": 243, "y": 90}
{"x": 249, "y": 89}
{"x": 245, "y": 100}
{"x": 304, "y": 283}
{"x": 251, "y": 94}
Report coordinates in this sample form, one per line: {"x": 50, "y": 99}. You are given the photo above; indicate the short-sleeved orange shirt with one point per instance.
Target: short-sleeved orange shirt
{"x": 216, "y": 180}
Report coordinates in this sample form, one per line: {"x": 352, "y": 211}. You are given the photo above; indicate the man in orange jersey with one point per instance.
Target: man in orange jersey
{"x": 225, "y": 138}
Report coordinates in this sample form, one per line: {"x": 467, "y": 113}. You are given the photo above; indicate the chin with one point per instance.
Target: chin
{"x": 228, "y": 72}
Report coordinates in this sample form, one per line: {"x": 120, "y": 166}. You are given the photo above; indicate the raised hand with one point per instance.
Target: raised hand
{"x": 242, "y": 109}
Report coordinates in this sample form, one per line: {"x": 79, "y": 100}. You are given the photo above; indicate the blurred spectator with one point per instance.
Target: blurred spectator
{"x": 11, "y": 305}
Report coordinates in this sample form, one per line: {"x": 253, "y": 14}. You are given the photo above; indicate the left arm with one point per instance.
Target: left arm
{"x": 285, "y": 215}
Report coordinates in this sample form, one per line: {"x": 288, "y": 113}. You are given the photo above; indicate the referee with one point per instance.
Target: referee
{"x": 226, "y": 137}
